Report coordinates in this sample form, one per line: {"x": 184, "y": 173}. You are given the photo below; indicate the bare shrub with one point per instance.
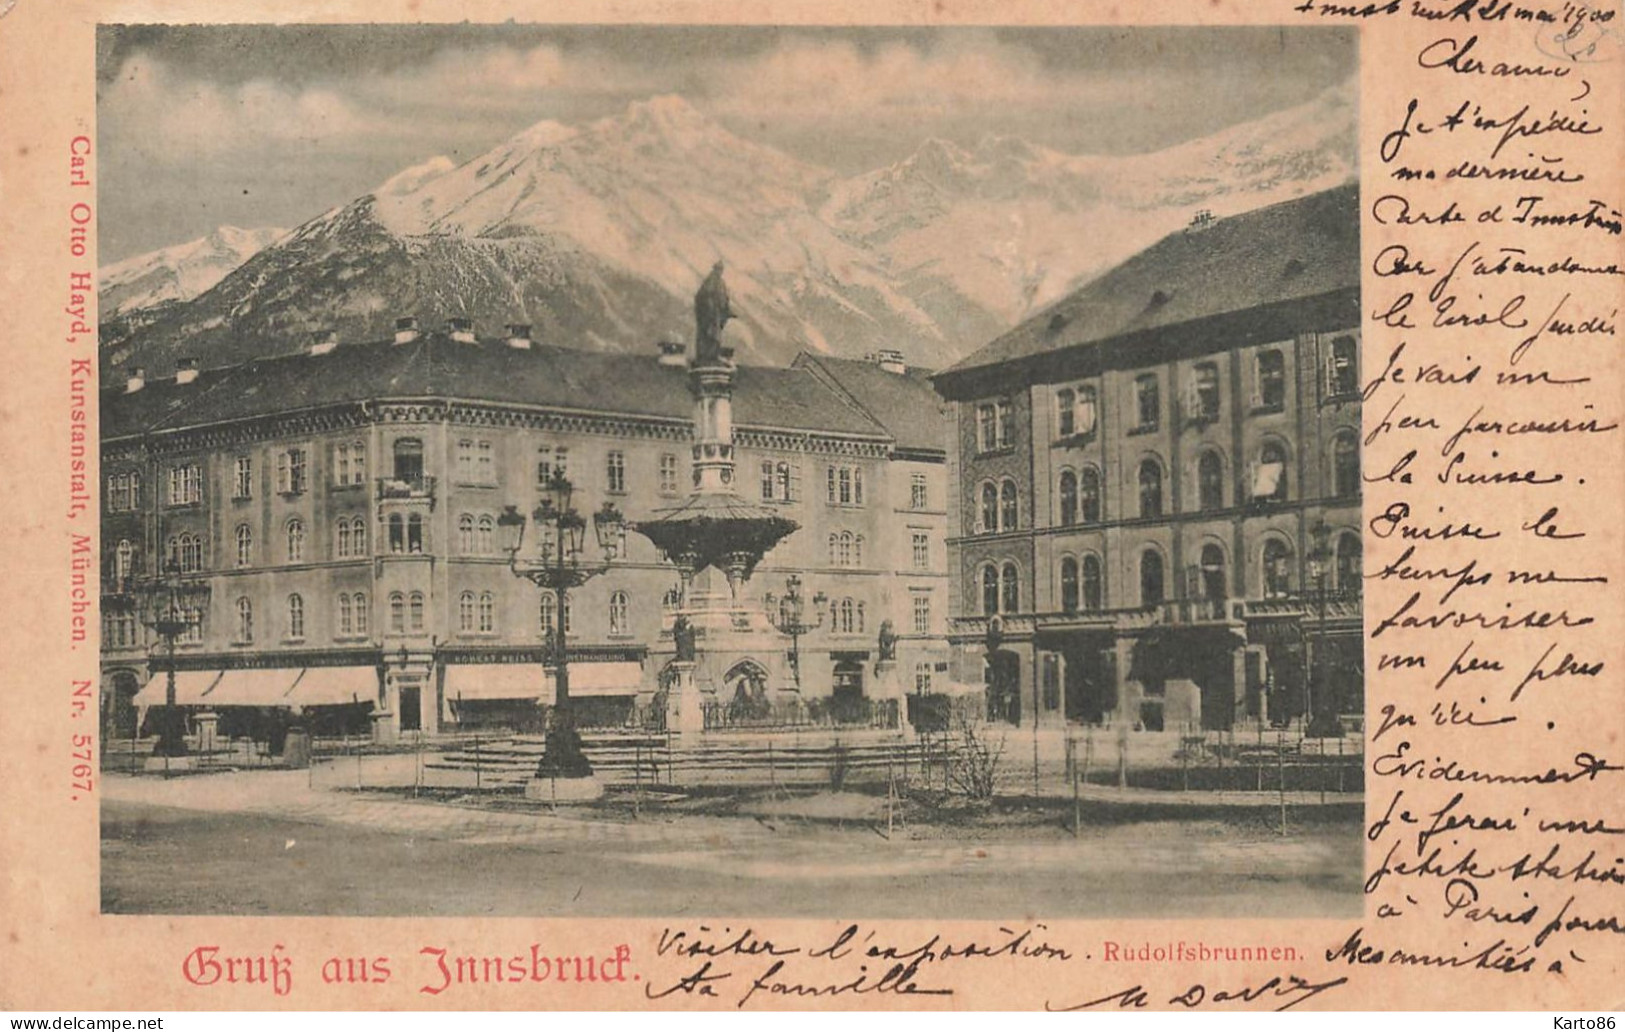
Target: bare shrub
{"x": 974, "y": 761}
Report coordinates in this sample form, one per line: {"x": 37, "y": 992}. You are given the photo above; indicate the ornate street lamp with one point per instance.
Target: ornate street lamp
{"x": 171, "y": 603}
{"x": 1321, "y": 722}
{"x": 789, "y": 615}
{"x": 559, "y": 569}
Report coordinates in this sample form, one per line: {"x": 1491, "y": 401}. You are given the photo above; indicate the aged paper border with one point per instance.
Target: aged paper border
{"x": 59, "y": 951}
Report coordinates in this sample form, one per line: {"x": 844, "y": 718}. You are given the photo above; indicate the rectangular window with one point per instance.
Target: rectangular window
{"x": 465, "y": 461}
{"x": 767, "y": 481}
{"x": 243, "y": 478}
{"x": 922, "y": 613}
{"x": 358, "y": 462}
{"x": 922, "y": 551}
{"x": 1148, "y": 402}
{"x": 1065, "y": 412}
{"x": 987, "y": 428}
{"x": 615, "y": 472}
{"x": 918, "y": 494}
{"x": 296, "y": 467}
{"x": 830, "y": 485}
{"x": 1204, "y": 400}
{"x": 1007, "y": 424}
{"x": 844, "y": 478}
{"x": 486, "y": 472}
{"x": 668, "y": 474}
{"x": 185, "y": 485}
{"x": 341, "y": 464}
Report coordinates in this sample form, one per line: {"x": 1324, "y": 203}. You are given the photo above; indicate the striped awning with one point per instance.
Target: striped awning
{"x": 190, "y": 686}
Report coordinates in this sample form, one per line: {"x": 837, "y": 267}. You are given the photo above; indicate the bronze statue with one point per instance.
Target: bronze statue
{"x": 682, "y": 633}
{"x": 888, "y": 641}
{"x": 711, "y": 313}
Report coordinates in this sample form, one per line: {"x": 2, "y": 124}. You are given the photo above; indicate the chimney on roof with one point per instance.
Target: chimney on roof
{"x": 185, "y": 370}
{"x": 673, "y": 353}
{"x": 323, "y": 341}
{"x": 137, "y": 380}
{"x": 519, "y": 335}
{"x": 891, "y": 360}
{"x": 1201, "y": 220}
{"x": 461, "y": 330}
{"x": 406, "y": 329}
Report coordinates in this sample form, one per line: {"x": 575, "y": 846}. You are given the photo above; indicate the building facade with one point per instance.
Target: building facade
{"x": 341, "y": 504}
{"x": 1157, "y": 485}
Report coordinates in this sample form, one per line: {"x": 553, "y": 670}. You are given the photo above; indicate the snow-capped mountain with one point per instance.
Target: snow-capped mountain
{"x": 181, "y": 272}
{"x": 598, "y": 235}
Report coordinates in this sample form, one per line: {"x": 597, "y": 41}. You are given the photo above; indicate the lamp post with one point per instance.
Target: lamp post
{"x": 1321, "y": 721}
{"x": 789, "y": 615}
{"x": 558, "y": 570}
{"x": 171, "y": 604}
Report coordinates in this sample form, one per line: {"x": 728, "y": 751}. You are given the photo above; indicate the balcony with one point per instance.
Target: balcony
{"x": 418, "y": 486}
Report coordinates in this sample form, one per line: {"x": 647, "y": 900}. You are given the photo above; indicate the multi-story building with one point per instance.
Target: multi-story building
{"x": 1157, "y": 486}
{"x": 341, "y": 503}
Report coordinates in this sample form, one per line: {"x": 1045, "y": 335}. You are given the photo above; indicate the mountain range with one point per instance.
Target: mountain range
{"x": 598, "y": 234}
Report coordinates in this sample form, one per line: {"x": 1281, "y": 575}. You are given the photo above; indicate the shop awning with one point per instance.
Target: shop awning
{"x": 335, "y": 686}
{"x": 253, "y": 688}
{"x": 189, "y": 688}
{"x": 474, "y": 681}
{"x": 600, "y": 679}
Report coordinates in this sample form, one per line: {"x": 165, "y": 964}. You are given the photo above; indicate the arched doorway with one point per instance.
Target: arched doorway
{"x": 846, "y": 698}
{"x": 1004, "y": 686}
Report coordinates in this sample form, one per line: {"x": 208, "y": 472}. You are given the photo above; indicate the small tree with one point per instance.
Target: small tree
{"x": 973, "y": 765}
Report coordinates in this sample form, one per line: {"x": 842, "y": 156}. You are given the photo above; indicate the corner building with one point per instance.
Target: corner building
{"x": 1157, "y": 485}
{"x": 341, "y": 503}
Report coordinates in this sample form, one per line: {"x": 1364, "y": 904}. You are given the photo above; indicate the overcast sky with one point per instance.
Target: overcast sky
{"x": 270, "y": 126}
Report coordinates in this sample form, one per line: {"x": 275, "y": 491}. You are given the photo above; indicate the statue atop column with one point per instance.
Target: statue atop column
{"x": 711, "y": 314}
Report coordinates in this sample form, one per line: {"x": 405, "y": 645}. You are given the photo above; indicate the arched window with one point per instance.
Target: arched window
{"x": 296, "y": 617}
{"x": 843, "y": 550}
{"x": 1069, "y": 498}
{"x": 397, "y": 533}
{"x": 1210, "y": 482}
{"x": 358, "y": 537}
{"x": 835, "y": 549}
{"x": 1213, "y": 579}
{"x": 846, "y": 617}
{"x": 1271, "y": 373}
{"x": 1009, "y": 507}
{"x": 124, "y": 559}
{"x": 1151, "y": 578}
{"x": 1346, "y": 464}
{"x": 859, "y": 617}
{"x": 1069, "y": 585}
{"x": 1092, "y": 594}
{"x": 415, "y": 608}
{"x": 1269, "y": 480}
{"x": 397, "y": 613}
{"x": 989, "y": 517}
{"x": 1349, "y": 571}
{"x": 990, "y": 591}
{"x": 547, "y": 614}
{"x": 1277, "y": 568}
{"x": 344, "y": 535}
{"x": 1009, "y": 589}
{"x": 245, "y": 620}
{"x": 360, "y": 601}
{"x": 465, "y": 534}
{"x": 1089, "y": 495}
{"x": 346, "y": 615}
{"x": 619, "y": 617}
{"x": 245, "y": 545}
{"x": 857, "y": 550}
{"x": 414, "y": 533}
{"x": 1150, "y": 488}
{"x": 296, "y": 541}
{"x": 486, "y": 535}
{"x": 488, "y": 613}
{"x": 465, "y": 612}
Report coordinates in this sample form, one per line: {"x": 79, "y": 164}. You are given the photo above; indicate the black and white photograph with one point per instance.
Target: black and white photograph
{"x": 640, "y": 470}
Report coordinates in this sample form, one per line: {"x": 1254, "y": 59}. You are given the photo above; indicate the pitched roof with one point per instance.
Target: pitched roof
{"x": 904, "y": 403}
{"x": 1295, "y": 250}
{"x": 434, "y": 366}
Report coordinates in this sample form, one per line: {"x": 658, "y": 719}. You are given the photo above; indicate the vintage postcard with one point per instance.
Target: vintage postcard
{"x": 746, "y": 506}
